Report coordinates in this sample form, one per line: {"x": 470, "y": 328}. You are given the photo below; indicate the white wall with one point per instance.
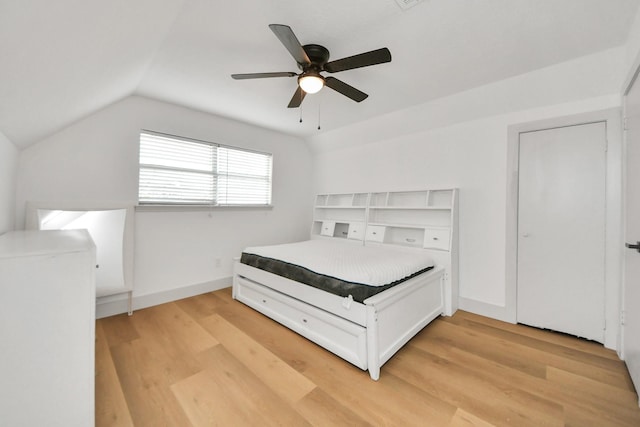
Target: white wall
{"x": 633, "y": 45}
{"x": 588, "y": 77}
{"x": 461, "y": 141}
{"x": 8, "y": 167}
{"x": 96, "y": 159}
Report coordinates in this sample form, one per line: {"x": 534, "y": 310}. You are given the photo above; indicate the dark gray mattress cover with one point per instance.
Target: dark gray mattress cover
{"x": 358, "y": 291}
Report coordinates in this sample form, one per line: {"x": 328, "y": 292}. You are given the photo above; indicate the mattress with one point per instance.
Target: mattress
{"x": 340, "y": 268}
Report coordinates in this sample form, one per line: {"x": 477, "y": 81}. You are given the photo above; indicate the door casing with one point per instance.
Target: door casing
{"x": 613, "y": 239}
{"x": 630, "y": 340}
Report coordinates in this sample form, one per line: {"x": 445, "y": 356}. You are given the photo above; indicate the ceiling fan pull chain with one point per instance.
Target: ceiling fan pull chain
{"x": 319, "y": 105}
{"x": 300, "y": 113}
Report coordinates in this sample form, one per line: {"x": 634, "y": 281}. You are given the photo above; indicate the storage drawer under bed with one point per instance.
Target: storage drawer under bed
{"x": 342, "y": 337}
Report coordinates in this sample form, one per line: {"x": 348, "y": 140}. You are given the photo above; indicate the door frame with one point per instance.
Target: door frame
{"x": 613, "y": 214}
{"x": 632, "y": 78}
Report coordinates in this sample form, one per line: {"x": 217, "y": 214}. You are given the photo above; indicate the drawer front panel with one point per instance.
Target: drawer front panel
{"x": 344, "y": 338}
{"x": 328, "y": 227}
{"x": 436, "y": 238}
{"x": 356, "y": 231}
{"x": 375, "y": 233}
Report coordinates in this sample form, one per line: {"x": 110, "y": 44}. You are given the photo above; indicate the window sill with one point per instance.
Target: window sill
{"x": 198, "y": 208}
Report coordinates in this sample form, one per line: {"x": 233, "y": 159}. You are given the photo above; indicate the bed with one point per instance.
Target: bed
{"x": 361, "y": 299}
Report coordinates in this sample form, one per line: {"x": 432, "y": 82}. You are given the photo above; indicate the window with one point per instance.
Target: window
{"x": 182, "y": 171}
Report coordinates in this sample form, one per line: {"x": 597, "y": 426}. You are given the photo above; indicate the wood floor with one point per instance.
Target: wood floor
{"x": 209, "y": 361}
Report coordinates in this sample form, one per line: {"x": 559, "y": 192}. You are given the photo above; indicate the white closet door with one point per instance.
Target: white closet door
{"x": 561, "y": 229}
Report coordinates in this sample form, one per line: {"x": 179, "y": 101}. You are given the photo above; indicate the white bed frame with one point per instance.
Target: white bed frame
{"x": 365, "y": 334}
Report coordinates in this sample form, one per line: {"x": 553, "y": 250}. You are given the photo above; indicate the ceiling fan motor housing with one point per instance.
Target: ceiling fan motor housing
{"x": 319, "y": 55}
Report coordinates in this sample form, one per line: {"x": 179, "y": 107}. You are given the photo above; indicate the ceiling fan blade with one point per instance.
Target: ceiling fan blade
{"x": 297, "y": 98}
{"x": 345, "y": 89}
{"x": 262, "y": 75}
{"x": 290, "y": 41}
{"x": 366, "y": 59}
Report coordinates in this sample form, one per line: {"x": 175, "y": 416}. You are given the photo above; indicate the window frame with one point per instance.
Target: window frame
{"x": 213, "y": 202}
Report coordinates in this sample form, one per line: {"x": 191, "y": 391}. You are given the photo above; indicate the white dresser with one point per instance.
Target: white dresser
{"x": 47, "y": 328}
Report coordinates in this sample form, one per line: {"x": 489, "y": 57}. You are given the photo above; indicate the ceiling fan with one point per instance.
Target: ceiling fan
{"x": 313, "y": 59}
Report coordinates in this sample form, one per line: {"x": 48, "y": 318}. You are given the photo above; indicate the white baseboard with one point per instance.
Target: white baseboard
{"x": 485, "y": 309}
{"x": 502, "y": 313}
{"x": 110, "y": 306}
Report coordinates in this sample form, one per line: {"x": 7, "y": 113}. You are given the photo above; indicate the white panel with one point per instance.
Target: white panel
{"x": 111, "y": 226}
{"x": 631, "y": 329}
{"x": 47, "y": 318}
{"x": 107, "y": 231}
{"x": 561, "y": 230}
{"x": 8, "y": 166}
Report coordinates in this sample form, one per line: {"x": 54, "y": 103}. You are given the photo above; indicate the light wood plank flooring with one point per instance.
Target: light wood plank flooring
{"x": 211, "y": 361}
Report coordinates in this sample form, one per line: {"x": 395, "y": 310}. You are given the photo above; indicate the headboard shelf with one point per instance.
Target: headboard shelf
{"x": 420, "y": 199}
{"x": 400, "y": 208}
{"x": 405, "y": 225}
{"x": 418, "y": 218}
{"x": 342, "y": 200}
{"x": 341, "y": 207}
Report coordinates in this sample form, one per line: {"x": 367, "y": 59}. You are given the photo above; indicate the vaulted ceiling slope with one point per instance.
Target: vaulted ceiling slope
{"x": 62, "y": 60}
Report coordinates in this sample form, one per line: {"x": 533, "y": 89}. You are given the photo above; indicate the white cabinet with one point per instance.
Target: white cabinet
{"x": 111, "y": 226}
{"x": 47, "y": 328}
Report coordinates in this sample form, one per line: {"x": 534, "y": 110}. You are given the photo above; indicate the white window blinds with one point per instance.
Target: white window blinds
{"x": 175, "y": 170}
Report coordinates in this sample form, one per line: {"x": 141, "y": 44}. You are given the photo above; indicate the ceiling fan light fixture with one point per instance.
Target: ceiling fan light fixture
{"x": 311, "y": 82}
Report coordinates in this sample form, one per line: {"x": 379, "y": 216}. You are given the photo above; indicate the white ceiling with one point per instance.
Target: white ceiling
{"x": 62, "y": 60}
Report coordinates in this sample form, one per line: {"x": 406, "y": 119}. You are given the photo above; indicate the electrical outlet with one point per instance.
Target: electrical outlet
{"x": 218, "y": 262}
